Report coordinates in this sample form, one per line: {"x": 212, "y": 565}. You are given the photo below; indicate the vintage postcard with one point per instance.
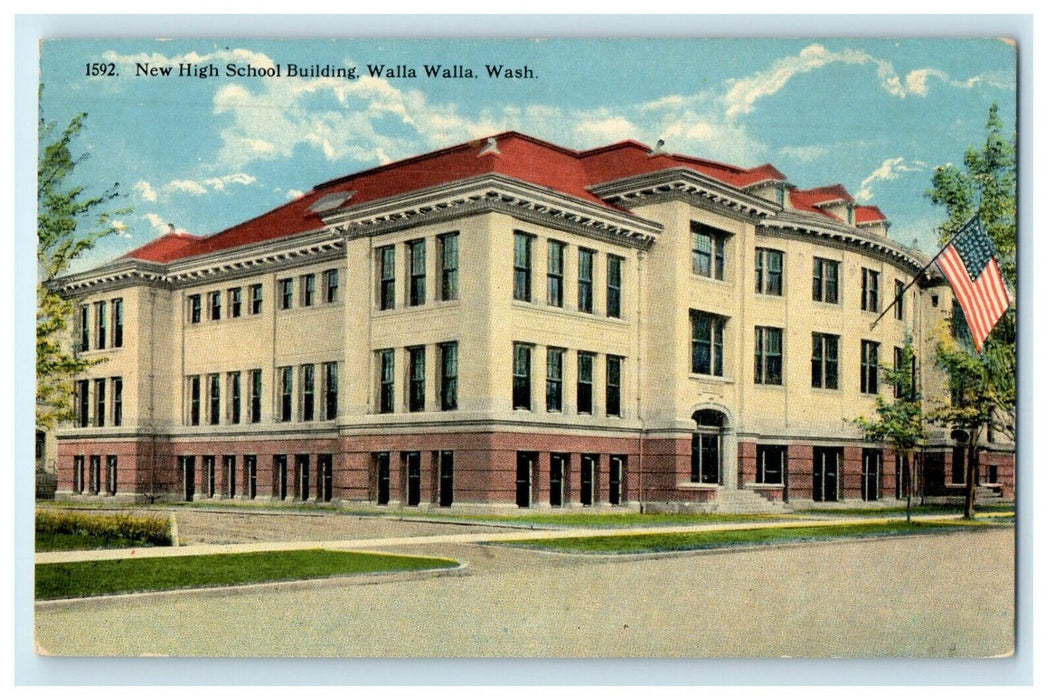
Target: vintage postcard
{"x": 575, "y": 348}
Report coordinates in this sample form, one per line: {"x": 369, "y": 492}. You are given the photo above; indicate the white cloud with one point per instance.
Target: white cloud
{"x": 294, "y": 194}
{"x": 189, "y": 186}
{"x": 121, "y": 228}
{"x": 891, "y": 169}
{"x": 197, "y": 188}
{"x": 806, "y": 154}
{"x": 156, "y": 222}
{"x": 146, "y": 192}
{"x": 606, "y": 128}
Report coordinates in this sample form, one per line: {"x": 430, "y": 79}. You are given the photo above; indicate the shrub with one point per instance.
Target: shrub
{"x": 107, "y": 529}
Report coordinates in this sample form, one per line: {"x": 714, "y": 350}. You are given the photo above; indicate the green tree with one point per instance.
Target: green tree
{"x": 981, "y": 386}
{"x": 899, "y": 422}
{"x": 70, "y": 220}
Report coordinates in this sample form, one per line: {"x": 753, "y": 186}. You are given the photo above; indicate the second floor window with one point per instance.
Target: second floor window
{"x": 554, "y": 379}
{"x": 448, "y": 376}
{"x": 522, "y": 266}
{"x": 707, "y": 343}
{"x": 256, "y": 298}
{"x": 285, "y": 293}
{"x": 234, "y": 397}
{"x": 194, "y": 390}
{"x": 448, "y": 255}
{"x": 387, "y": 371}
{"x": 769, "y": 272}
{"x": 256, "y": 380}
{"x": 584, "y": 386}
{"x": 234, "y": 302}
{"x": 82, "y": 402}
{"x": 117, "y": 309}
{"x": 386, "y": 262}
{"x": 100, "y": 325}
{"x": 307, "y": 392}
{"x": 586, "y": 280}
{"x": 826, "y": 281}
{"x": 614, "y": 302}
{"x": 332, "y": 280}
{"x": 214, "y": 399}
{"x": 416, "y": 386}
{"x": 708, "y": 251}
{"x": 100, "y": 403}
{"x": 416, "y": 267}
{"x": 613, "y": 386}
{"x": 329, "y": 379}
{"x": 521, "y": 376}
{"x": 769, "y": 355}
{"x": 214, "y": 306}
{"x": 285, "y": 395}
{"x": 117, "y": 389}
{"x": 194, "y": 308}
{"x": 307, "y": 290}
{"x": 869, "y": 367}
{"x": 825, "y": 362}
{"x": 84, "y": 325}
{"x": 899, "y": 300}
{"x": 555, "y": 274}
{"x": 869, "y": 290}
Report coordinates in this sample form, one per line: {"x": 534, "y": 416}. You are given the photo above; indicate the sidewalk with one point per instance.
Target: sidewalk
{"x": 467, "y": 538}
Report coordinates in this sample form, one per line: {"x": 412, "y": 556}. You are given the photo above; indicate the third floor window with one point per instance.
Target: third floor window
{"x": 416, "y": 272}
{"x": 869, "y": 290}
{"x": 826, "y": 280}
{"x": 769, "y": 272}
{"x": 522, "y": 266}
{"x": 448, "y": 265}
{"x": 708, "y": 251}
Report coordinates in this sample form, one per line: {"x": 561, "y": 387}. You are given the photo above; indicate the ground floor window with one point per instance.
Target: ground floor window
{"x": 902, "y": 475}
{"x": 770, "y": 464}
{"x": 78, "y": 474}
{"x": 303, "y": 467}
{"x": 208, "y": 469}
{"x": 111, "y": 475}
{"x": 95, "y": 469}
{"x": 412, "y": 477}
{"x": 959, "y": 464}
{"x": 558, "y": 466}
{"x": 446, "y": 490}
{"x": 228, "y": 475}
{"x": 526, "y": 462}
{"x": 382, "y": 477}
{"x": 280, "y": 477}
{"x": 827, "y": 471}
{"x": 325, "y": 485}
{"x": 187, "y": 474}
{"x": 588, "y": 477}
{"x": 707, "y": 447}
{"x": 616, "y": 476}
{"x": 249, "y": 476}
{"x": 871, "y": 475}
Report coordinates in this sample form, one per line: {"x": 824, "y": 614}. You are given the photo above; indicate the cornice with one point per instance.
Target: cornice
{"x": 496, "y": 193}
{"x": 848, "y": 236}
{"x": 687, "y": 185}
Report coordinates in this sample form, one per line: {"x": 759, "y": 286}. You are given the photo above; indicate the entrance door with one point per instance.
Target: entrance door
{"x": 303, "y": 465}
{"x": 446, "y": 478}
{"x": 870, "y": 474}
{"x": 413, "y": 466}
{"x": 325, "y": 487}
{"x": 615, "y": 479}
{"x": 525, "y": 465}
{"x": 383, "y": 478}
{"x": 187, "y": 468}
{"x": 587, "y": 478}
{"x": 557, "y": 466}
{"x": 826, "y": 473}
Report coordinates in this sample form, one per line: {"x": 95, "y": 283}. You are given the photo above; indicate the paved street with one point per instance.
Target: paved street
{"x": 919, "y": 596}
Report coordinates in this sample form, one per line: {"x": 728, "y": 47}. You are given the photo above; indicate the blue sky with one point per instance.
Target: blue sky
{"x": 204, "y": 154}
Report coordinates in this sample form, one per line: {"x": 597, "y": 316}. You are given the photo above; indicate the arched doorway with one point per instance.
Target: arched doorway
{"x": 707, "y": 447}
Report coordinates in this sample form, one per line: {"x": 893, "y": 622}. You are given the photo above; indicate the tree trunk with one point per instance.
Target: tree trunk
{"x": 972, "y": 476}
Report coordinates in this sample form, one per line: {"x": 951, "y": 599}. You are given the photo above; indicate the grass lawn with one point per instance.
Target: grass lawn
{"x": 95, "y": 578}
{"x": 65, "y": 542}
{"x": 673, "y": 542}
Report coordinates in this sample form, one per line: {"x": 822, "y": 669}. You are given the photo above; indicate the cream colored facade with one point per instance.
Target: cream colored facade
{"x": 495, "y": 447}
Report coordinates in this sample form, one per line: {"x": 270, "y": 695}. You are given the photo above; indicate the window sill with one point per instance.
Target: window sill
{"x": 586, "y": 316}
{"x": 698, "y": 487}
{"x": 710, "y": 378}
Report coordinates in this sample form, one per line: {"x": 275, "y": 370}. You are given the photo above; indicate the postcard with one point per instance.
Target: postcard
{"x": 548, "y": 348}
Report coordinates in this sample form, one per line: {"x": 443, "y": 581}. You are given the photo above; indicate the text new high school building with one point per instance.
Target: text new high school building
{"x": 512, "y": 323}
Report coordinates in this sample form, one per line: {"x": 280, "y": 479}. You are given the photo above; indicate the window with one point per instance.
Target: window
{"x": 769, "y": 355}
{"x": 228, "y": 476}
{"x": 899, "y": 359}
{"x": 256, "y": 299}
{"x": 329, "y": 378}
{"x": 82, "y": 403}
{"x": 615, "y": 287}
{"x": 416, "y": 386}
{"x": 307, "y": 290}
{"x": 416, "y": 267}
{"x": 448, "y": 256}
{"x": 707, "y": 448}
{"x": 256, "y": 378}
{"x": 100, "y": 325}
{"x": 769, "y": 271}
{"x": 78, "y": 474}
{"x": 387, "y": 371}
{"x": 769, "y": 462}
{"x": 117, "y": 311}
{"x": 869, "y": 290}
{"x": 521, "y": 376}
{"x": 332, "y": 280}
{"x": 117, "y": 388}
{"x": 214, "y": 306}
{"x": 869, "y": 367}
{"x": 707, "y": 330}
{"x": 100, "y": 403}
{"x": 825, "y": 365}
{"x": 586, "y": 280}
{"x": 613, "y": 386}
{"x": 194, "y": 393}
{"x": 194, "y": 308}
{"x": 448, "y": 376}
{"x": 249, "y": 476}
{"x": 285, "y": 293}
{"x": 85, "y": 328}
{"x": 111, "y": 475}
{"x": 234, "y": 302}
{"x": 208, "y": 470}
{"x": 94, "y": 464}
{"x": 307, "y": 392}
{"x": 386, "y": 262}
{"x": 584, "y": 386}
{"x": 708, "y": 251}
{"x": 285, "y": 396}
{"x": 825, "y": 281}
{"x": 214, "y": 399}
{"x": 554, "y": 379}
{"x": 521, "y": 266}
{"x": 234, "y": 397}
{"x": 899, "y": 300}
{"x": 555, "y": 274}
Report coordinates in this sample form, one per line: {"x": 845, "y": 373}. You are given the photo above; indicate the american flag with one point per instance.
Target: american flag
{"x": 970, "y": 265}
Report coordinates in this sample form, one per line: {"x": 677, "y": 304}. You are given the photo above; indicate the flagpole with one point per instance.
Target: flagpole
{"x": 920, "y": 274}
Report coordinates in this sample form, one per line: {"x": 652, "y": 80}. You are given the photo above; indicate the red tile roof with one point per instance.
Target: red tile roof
{"x": 563, "y": 170}
{"x": 868, "y": 215}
